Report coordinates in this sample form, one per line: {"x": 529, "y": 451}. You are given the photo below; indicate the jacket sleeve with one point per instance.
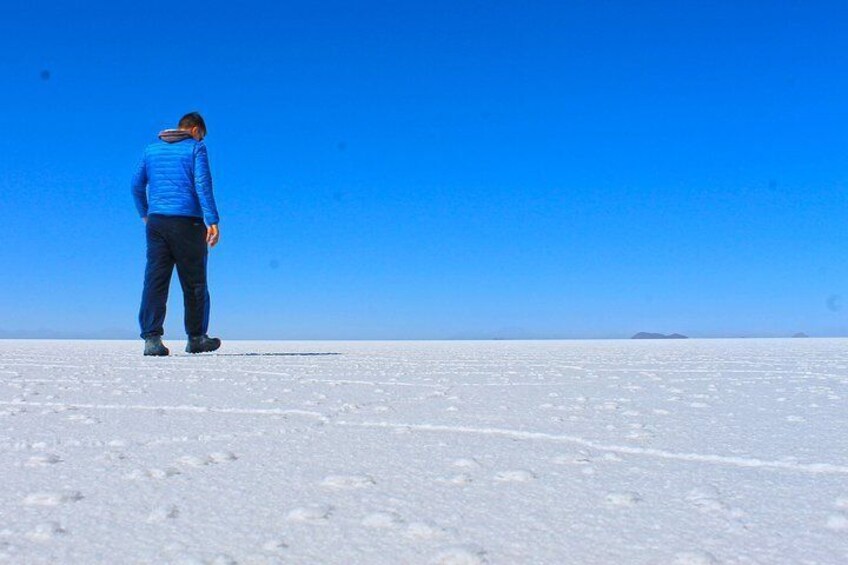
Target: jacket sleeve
{"x": 139, "y": 188}
{"x": 203, "y": 185}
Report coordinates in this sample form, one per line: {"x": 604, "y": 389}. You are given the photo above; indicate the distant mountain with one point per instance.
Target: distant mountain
{"x": 800, "y": 334}
{"x": 647, "y": 335}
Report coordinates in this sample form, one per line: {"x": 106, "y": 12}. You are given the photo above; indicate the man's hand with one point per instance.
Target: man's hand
{"x": 212, "y": 235}
{"x": 144, "y": 219}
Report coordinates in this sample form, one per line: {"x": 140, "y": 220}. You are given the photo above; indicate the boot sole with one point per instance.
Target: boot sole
{"x": 192, "y": 351}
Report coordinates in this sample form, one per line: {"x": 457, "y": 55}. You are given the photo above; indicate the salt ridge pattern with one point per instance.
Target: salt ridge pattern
{"x": 696, "y": 451}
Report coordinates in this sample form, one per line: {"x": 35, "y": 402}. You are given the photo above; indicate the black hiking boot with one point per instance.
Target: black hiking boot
{"x": 202, "y": 344}
{"x": 153, "y": 346}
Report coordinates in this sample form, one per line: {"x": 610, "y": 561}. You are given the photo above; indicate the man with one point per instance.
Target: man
{"x": 172, "y": 188}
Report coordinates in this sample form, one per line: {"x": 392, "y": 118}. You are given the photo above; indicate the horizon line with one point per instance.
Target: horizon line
{"x": 89, "y": 338}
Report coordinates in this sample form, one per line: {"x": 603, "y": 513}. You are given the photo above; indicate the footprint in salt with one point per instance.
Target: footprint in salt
{"x": 204, "y": 460}
{"x": 460, "y": 555}
{"x": 424, "y": 531}
{"x": 707, "y": 498}
{"x": 382, "y": 520}
{"x": 275, "y": 545}
{"x": 837, "y": 521}
{"x": 155, "y": 473}
{"x": 315, "y": 514}
{"x": 46, "y": 531}
{"x": 8, "y": 551}
{"x": 694, "y": 558}
{"x": 461, "y": 479}
{"x": 193, "y": 461}
{"x": 623, "y": 499}
{"x": 152, "y": 473}
{"x": 467, "y": 463}
{"x": 346, "y": 482}
{"x": 83, "y": 419}
{"x": 163, "y": 513}
{"x": 515, "y": 476}
{"x": 43, "y": 460}
{"x": 581, "y": 457}
{"x": 222, "y": 457}
{"x": 52, "y": 498}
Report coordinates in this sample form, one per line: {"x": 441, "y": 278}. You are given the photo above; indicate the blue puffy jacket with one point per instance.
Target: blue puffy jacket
{"x": 173, "y": 179}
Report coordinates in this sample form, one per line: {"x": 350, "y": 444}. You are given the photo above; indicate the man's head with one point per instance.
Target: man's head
{"x": 194, "y": 124}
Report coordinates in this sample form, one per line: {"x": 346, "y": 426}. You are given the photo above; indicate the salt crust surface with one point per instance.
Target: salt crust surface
{"x": 695, "y": 451}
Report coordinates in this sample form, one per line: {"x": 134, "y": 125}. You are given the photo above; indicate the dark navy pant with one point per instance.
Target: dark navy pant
{"x": 180, "y": 241}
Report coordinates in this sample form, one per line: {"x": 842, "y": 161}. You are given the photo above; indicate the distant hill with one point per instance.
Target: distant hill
{"x": 647, "y": 335}
{"x": 800, "y": 334}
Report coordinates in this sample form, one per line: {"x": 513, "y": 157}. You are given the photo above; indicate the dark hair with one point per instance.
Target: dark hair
{"x": 192, "y": 119}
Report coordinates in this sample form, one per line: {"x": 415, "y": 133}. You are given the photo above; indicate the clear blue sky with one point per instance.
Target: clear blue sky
{"x": 437, "y": 169}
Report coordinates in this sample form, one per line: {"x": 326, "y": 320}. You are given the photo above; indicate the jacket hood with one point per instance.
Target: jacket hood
{"x": 173, "y": 135}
